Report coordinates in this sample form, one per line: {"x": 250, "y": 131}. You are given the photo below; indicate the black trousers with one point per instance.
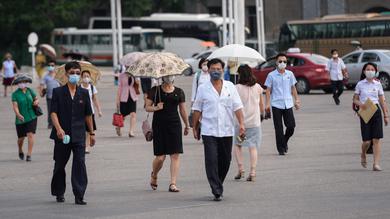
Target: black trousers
{"x": 79, "y": 170}
{"x": 48, "y": 103}
{"x": 280, "y": 116}
{"x": 218, "y": 155}
{"x": 337, "y": 88}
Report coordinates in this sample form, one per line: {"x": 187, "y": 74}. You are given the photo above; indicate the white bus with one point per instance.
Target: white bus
{"x": 183, "y": 33}
{"x": 96, "y": 44}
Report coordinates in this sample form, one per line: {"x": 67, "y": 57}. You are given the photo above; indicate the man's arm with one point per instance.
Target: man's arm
{"x": 195, "y": 123}
{"x": 268, "y": 99}
{"x": 297, "y": 102}
{"x": 240, "y": 118}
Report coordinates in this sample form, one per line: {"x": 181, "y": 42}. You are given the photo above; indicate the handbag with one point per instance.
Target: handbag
{"x": 38, "y": 110}
{"x": 44, "y": 91}
{"x": 117, "y": 119}
{"x": 147, "y": 129}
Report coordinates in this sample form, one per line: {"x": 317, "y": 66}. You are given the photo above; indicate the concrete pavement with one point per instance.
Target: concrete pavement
{"x": 321, "y": 177}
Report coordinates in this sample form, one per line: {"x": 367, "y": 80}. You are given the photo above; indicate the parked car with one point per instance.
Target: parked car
{"x": 309, "y": 70}
{"x": 194, "y": 60}
{"x": 355, "y": 60}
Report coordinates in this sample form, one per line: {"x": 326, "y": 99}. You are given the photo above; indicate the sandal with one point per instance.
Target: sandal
{"x": 118, "y": 131}
{"x": 239, "y": 175}
{"x": 153, "y": 181}
{"x": 251, "y": 178}
{"x": 363, "y": 162}
{"x": 173, "y": 188}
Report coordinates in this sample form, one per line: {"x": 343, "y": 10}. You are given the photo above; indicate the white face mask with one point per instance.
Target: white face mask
{"x": 205, "y": 68}
{"x": 335, "y": 55}
{"x": 282, "y": 65}
{"x": 22, "y": 85}
{"x": 370, "y": 74}
{"x": 86, "y": 80}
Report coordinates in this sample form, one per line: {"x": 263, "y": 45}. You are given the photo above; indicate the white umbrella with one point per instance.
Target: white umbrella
{"x": 238, "y": 53}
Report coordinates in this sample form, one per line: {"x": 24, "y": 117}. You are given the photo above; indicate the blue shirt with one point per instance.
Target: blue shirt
{"x": 280, "y": 85}
{"x": 50, "y": 83}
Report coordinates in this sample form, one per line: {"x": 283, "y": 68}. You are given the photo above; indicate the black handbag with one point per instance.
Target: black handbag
{"x": 38, "y": 110}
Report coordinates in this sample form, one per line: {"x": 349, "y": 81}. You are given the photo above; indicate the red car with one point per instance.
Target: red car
{"x": 309, "y": 70}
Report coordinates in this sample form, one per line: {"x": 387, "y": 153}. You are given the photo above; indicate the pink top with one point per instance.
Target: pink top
{"x": 250, "y": 97}
{"x": 125, "y": 89}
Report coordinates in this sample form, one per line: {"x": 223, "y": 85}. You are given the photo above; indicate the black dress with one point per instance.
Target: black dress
{"x": 166, "y": 125}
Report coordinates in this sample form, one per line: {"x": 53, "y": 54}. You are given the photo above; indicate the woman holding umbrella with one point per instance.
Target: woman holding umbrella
{"x": 23, "y": 101}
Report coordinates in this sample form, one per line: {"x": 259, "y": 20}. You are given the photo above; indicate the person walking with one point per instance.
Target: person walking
{"x": 164, "y": 100}
{"x": 282, "y": 96}
{"x": 216, "y": 103}
{"x": 200, "y": 77}
{"x": 126, "y": 100}
{"x": 23, "y": 101}
{"x": 70, "y": 112}
{"x": 369, "y": 88}
{"x": 92, "y": 91}
{"x": 338, "y": 72}
{"x": 48, "y": 83}
{"x": 251, "y": 95}
{"x": 8, "y": 69}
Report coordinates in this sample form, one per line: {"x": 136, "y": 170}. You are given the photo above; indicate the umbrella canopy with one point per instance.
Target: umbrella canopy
{"x": 130, "y": 58}
{"x": 48, "y": 50}
{"x": 95, "y": 72}
{"x": 22, "y": 77}
{"x": 157, "y": 65}
{"x": 238, "y": 53}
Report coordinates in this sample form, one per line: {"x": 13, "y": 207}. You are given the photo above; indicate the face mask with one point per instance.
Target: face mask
{"x": 74, "y": 79}
{"x": 168, "y": 79}
{"x": 50, "y": 68}
{"x": 335, "y": 55}
{"x": 22, "y": 85}
{"x": 86, "y": 80}
{"x": 205, "y": 68}
{"x": 215, "y": 75}
{"x": 282, "y": 65}
{"x": 370, "y": 74}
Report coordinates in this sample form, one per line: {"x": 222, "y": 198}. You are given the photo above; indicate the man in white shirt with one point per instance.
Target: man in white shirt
{"x": 338, "y": 72}
{"x": 216, "y": 103}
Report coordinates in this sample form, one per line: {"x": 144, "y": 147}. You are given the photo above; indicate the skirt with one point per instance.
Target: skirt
{"x": 253, "y": 137}
{"x": 28, "y": 127}
{"x": 8, "y": 81}
{"x": 93, "y": 124}
{"x": 128, "y": 107}
{"x": 374, "y": 128}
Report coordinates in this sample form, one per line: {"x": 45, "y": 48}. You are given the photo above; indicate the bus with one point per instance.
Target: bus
{"x": 183, "y": 33}
{"x": 96, "y": 44}
{"x": 320, "y": 35}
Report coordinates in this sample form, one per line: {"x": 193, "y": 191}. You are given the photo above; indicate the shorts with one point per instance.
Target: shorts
{"x": 28, "y": 127}
{"x": 8, "y": 81}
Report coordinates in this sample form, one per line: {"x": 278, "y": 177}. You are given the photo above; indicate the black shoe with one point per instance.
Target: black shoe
{"x": 60, "y": 198}
{"x": 217, "y": 198}
{"x": 281, "y": 154}
{"x": 80, "y": 201}
{"x": 28, "y": 158}
{"x": 21, "y": 156}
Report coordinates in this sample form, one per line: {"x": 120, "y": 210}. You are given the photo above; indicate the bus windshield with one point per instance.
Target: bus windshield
{"x": 152, "y": 41}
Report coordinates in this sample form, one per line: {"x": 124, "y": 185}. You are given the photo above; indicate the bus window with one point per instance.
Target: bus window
{"x": 355, "y": 29}
{"x": 84, "y": 40}
{"x": 60, "y": 40}
{"x": 351, "y": 59}
{"x": 101, "y": 39}
{"x": 152, "y": 41}
{"x": 335, "y": 30}
{"x": 318, "y": 30}
{"x": 370, "y": 57}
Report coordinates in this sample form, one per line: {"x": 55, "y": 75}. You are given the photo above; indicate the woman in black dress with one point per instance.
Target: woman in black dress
{"x": 167, "y": 138}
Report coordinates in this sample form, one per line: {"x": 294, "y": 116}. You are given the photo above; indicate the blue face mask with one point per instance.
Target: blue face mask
{"x": 74, "y": 79}
{"x": 50, "y": 68}
{"x": 215, "y": 75}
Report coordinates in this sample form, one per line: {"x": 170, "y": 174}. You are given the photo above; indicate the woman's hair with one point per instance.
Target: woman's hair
{"x": 85, "y": 72}
{"x": 246, "y": 76}
{"x": 363, "y": 76}
{"x": 201, "y": 61}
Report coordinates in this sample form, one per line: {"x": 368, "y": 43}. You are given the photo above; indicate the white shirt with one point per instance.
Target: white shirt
{"x": 370, "y": 90}
{"x": 281, "y": 88}
{"x": 203, "y": 77}
{"x": 217, "y": 110}
{"x": 250, "y": 97}
{"x": 89, "y": 88}
{"x": 335, "y": 69}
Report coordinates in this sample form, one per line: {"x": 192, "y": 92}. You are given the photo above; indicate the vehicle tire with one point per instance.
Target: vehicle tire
{"x": 327, "y": 90}
{"x": 385, "y": 80}
{"x": 350, "y": 86}
{"x": 302, "y": 86}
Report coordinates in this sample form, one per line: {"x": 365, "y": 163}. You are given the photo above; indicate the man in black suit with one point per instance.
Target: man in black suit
{"x": 70, "y": 112}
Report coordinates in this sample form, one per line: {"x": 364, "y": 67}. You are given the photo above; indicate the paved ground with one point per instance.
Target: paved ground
{"x": 320, "y": 178}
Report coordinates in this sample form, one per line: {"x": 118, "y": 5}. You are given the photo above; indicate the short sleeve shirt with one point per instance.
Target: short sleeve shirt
{"x": 250, "y": 97}
{"x": 370, "y": 90}
{"x": 335, "y": 69}
{"x": 91, "y": 92}
{"x": 280, "y": 85}
{"x": 50, "y": 83}
{"x": 25, "y": 105}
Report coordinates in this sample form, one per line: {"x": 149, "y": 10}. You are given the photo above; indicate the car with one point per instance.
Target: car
{"x": 354, "y": 62}
{"x": 309, "y": 70}
{"x": 194, "y": 60}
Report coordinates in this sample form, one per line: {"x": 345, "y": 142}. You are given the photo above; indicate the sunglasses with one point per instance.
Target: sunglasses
{"x": 75, "y": 72}
{"x": 283, "y": 62}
